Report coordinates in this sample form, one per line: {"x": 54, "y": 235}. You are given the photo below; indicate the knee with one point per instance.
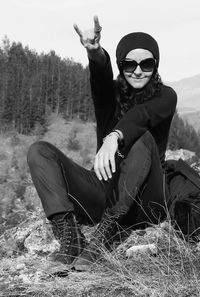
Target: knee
{"x": 35, "y": 152}
{"x": 148, "y": 140}
{"x": 142, "y": 147}
{"x": 143, "y": 141}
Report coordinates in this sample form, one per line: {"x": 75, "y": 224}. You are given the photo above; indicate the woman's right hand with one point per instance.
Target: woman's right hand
{"x": 90, "y": 39}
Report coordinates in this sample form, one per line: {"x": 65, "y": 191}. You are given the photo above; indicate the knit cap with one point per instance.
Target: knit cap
{"x": 136, "y": 40}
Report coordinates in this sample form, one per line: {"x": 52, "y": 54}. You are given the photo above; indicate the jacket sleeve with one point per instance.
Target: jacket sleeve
{"x": 143, "y": 117}
{"x": 101, "y": 82}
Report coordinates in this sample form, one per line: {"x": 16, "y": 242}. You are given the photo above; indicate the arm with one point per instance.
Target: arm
{"x": 101, "y": 82}
{"x": 101, "y": 75}
{"x": 101, "y": 79}
{"x": 147, "y": 115}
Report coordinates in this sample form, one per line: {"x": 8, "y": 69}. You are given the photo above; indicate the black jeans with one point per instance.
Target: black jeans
{"x": 137, "y": 186}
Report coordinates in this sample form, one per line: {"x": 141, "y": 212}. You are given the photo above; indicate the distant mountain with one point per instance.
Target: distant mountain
{"x": 188, "y": 91}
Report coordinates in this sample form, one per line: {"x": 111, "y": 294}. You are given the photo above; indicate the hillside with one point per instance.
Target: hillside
{"x": 193, "y": 118}
{"x": 26, "y": 238}
{"x": 188, "y": 91}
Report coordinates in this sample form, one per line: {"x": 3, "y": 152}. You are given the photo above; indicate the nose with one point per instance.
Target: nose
{"x": 138, "y": 70}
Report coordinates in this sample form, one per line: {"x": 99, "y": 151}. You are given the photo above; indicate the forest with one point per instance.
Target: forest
{"x": 32, "y": 86}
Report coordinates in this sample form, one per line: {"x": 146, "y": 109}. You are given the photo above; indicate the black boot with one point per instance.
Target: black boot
{"x": 102, "y": 239}
{"x": 71, "y": 239}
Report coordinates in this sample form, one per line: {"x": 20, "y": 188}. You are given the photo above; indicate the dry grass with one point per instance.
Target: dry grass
{"x": 173, "y": 271}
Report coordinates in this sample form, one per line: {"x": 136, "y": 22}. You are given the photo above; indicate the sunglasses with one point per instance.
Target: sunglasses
{"x": 147, "y": 65}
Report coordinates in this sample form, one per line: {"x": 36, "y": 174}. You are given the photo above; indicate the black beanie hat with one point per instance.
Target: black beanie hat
{"x": 137, "y": 40}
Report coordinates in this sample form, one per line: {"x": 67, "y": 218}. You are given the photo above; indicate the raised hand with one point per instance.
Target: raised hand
{"x": 90, "y": 38}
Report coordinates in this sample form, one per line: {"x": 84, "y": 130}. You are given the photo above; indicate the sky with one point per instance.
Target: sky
{"x": 46, "y": 25}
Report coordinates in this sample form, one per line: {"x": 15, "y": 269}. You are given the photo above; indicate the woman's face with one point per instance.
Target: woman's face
{"x": 138, "y": 78}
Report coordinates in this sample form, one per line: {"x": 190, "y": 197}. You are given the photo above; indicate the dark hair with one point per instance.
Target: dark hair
{"x": 128, "y": 97}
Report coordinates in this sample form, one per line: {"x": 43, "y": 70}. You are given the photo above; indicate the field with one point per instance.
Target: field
{"x": 26, "y": 238}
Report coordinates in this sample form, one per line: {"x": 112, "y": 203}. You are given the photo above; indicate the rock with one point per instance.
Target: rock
{"x": 25, "y": 278}
{"x": 31, "y": 198}
{"x": 40, "y": 239}
{"x": 196, "y": 166}
{"x": 20, "y": 266}
{"x": 22, "y": 232}
{"x": 177, "y": 154}
{"x": 32, "y": 236}
{"x": 37, "y": 242}
{"x": 142, "y": 249}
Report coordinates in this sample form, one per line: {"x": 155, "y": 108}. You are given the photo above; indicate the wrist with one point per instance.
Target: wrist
{"x": 120, "y": 138}
{"x": 112, "y": 134}
{"x": 119, "y": 133}
{"x": 97, "y": 54}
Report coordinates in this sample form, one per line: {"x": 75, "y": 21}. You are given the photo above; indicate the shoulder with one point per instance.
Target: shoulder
{"x": 167, "y": 90}
{"x": 169, "y": 93}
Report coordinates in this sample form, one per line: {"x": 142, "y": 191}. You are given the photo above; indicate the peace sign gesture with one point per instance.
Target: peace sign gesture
{"x": 90, "y": 39}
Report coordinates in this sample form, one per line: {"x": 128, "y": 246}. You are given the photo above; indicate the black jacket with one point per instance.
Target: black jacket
{"x": 154, "y": 115}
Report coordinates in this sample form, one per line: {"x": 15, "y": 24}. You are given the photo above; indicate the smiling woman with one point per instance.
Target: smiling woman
{"x": 138, "y": 67}
{"x": 138, "y": 60}
{"x": 125, "y": 187}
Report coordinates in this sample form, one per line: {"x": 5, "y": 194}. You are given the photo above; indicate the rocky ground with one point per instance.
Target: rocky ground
{"x": 26, "y": 271}
{"x": 171, "y": 268}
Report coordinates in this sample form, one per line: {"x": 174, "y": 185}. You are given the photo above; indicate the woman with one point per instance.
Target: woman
{"x": 125, "y": 188}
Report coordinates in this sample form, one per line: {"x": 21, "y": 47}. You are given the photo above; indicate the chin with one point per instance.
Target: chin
{"x": 138, "y": 85}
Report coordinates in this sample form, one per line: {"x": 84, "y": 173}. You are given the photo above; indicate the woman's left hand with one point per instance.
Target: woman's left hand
{"x": 104, "y": 164}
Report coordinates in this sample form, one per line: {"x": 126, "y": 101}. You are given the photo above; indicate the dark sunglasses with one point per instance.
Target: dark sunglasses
{"x": 146, "y": 65}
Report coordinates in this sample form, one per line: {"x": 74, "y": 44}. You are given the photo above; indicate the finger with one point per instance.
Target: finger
{"x": 96, "y": 168}
{"x": 78, "y": 30}
{"x": 97, "y": 27}
{"x": 107, "y": 166}
{"x": 102, "y": 169}
{"x": 112, "y": 163}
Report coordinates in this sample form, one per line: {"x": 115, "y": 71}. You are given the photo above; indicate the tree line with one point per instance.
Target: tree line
{"x": 33, "y": 85}
{"x": 183, "y": 135}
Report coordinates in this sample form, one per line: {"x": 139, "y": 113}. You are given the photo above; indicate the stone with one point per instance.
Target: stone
{"x": 142, "y": 249}
{"x": 179, "y": 154}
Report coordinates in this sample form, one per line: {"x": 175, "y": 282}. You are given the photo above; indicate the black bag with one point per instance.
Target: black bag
{"x": 184, "y": 189}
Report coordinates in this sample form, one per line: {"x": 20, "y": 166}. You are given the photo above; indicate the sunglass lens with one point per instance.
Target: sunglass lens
{"x": 147, "y": 65}
{"x": 129, "y": 66}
